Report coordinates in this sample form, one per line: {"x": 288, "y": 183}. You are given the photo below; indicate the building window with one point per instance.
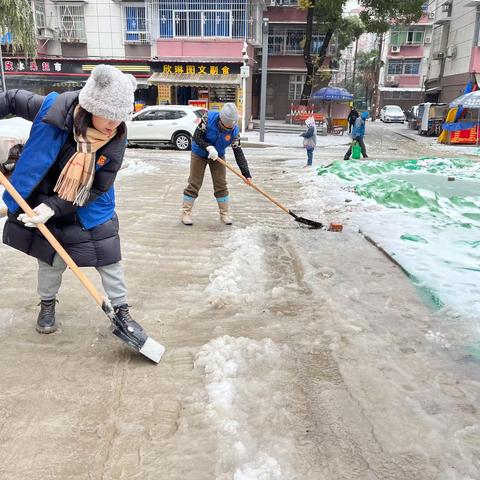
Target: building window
{"x": 135, "y": 24}
{"x": 404, "y": 67}
{"x": 71, "y": 21}
{"x": 403, "y": 36}
{"x": 295, "y": 86}
{"x": 289, "y": 41}
{"x": 196, "y": 23}
{"x": 39, "y": 9}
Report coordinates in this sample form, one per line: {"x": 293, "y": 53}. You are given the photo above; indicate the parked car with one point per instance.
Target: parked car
{"x": 164, "y": 125}
{"x": 392, "y": 113}
{"x": 431, "y": 117}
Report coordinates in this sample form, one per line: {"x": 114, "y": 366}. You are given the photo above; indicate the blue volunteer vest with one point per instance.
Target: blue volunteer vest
{"x": 38, "y": 155}
{"x": 220, "y": 139}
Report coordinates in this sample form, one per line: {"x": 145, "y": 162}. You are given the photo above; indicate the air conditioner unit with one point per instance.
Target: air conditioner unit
{"x": 395, "y": 49}
{"x": 46, "y": 32}
{"x": 428, "y": 40}
{"x": 452, "y": 52}
{"x": 431, "y": 15}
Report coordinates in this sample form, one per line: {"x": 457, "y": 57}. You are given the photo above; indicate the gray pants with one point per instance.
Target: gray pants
{"x": 50, "y": 279}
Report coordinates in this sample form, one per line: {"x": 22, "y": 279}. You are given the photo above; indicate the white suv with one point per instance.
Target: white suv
{"x": 392, "y": 113}
{"x": 164, "y": 124}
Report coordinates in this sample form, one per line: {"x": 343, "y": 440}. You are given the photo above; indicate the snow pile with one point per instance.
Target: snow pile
{"x": 240, "y": 278}
{"x": 409, "y": 208}
{"x": 246, "y": 408}
{"x": 135, "y": 166}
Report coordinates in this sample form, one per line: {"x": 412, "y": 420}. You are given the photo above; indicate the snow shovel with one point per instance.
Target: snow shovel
{"x": 305, "y": 221}
{"x": 137, "y": 339}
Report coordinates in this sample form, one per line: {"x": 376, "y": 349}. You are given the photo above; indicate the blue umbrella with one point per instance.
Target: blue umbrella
{"x": 333, "y": 94}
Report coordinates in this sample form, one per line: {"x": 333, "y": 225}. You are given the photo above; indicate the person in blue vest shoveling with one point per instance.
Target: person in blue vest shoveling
{"x": 216, "y": 131}
{"x": 66, "y": 174}
{"x": 358, "y": 134}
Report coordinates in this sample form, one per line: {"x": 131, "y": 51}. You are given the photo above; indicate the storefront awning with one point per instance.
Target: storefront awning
{"x": 193, "y": 80}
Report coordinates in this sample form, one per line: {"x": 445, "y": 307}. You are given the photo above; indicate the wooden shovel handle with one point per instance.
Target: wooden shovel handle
{"x": 255, "y": 187}
{"x": 53, "y": 241}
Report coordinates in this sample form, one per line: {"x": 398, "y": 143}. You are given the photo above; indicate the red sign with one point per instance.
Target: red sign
{"x": 468, "y": 136}
{"x": 199, "y": 103}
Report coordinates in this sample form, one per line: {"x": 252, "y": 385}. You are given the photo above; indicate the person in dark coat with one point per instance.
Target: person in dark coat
{"x": 352, "y": 117}
{"x": 66, "y": 173}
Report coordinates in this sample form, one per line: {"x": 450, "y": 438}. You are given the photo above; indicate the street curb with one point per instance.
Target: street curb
{"x": 381, "y": 249}
{"x": 248, "y": 144}
{"x": 406, "y": 136}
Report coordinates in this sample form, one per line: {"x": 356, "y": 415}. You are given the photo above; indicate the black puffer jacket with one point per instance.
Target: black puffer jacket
{"x": 96, "y": 247}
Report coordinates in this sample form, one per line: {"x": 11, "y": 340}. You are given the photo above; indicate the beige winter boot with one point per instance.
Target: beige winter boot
{"x": 224, "y": 216}
{"x": 186, "y": 213}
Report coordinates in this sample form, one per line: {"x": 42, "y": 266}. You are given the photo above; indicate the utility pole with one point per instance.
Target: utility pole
{"x": 263, "y": 85}
{"x": 376, "y": 89}
{"x": 354, "y": 67}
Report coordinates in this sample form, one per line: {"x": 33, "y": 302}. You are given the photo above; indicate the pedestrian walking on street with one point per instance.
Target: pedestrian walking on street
{"x": 358, "y": 134}
{"x": 352, "y": 117}
{"x": 310, "y": 139}
{"x": 66, "y": 172}
{"x": 216, "y": 131}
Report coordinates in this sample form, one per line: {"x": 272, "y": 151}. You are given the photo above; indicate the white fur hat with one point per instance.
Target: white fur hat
{"x": 108, "y": 93}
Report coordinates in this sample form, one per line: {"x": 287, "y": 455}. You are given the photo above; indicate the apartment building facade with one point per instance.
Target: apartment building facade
{"x": 455, "y": 54}
{"x": 405, "y": 56}
{"x": 179, "y": 51}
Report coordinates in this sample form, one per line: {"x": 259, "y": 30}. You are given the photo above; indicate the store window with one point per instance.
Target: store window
{"x": 295, "y": 86}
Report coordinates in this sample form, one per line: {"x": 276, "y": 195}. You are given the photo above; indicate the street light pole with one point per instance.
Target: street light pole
{"x": 245, "y": 73}
{"x": 263, "y": 85}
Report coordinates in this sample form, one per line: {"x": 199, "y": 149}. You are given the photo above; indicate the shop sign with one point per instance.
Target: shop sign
{"x": 21, "y": 66}
{"x": 197, "y": 69}
{"x": 32, "y": 66}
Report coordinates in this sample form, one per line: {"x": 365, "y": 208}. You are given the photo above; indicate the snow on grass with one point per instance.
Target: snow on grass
{"x": 246, "y": 408}
{"x": 432, "y": 231}
{"x": 240, "y": 278}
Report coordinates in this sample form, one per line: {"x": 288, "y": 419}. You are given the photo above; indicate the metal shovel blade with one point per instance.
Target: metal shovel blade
{"x": 306, "y": 221}
{"x": 152, "y": 350}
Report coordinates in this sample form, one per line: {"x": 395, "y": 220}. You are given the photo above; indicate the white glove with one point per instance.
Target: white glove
{"x": 212, "y": 152}
{"x": 43, "y": 214}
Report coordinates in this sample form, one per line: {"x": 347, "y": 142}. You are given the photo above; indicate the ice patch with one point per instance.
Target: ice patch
{"x": 240, "y": 278}
{"x": 135, "y": 166}
{"x": 244, "y": 406}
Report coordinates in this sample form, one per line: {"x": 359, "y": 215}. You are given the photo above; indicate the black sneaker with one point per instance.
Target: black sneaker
{"x": 46, "y": 318}
{"x": 124, "y": 319}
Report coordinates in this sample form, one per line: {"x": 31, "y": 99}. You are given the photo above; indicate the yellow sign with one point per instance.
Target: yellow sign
{"x": 196, "y": 69}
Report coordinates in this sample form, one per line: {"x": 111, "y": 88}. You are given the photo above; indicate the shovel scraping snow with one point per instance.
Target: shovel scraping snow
{"x": 134, "y": 337}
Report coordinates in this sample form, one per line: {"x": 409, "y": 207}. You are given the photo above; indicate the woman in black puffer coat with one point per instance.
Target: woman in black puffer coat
{"x": 66, "y": 174}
